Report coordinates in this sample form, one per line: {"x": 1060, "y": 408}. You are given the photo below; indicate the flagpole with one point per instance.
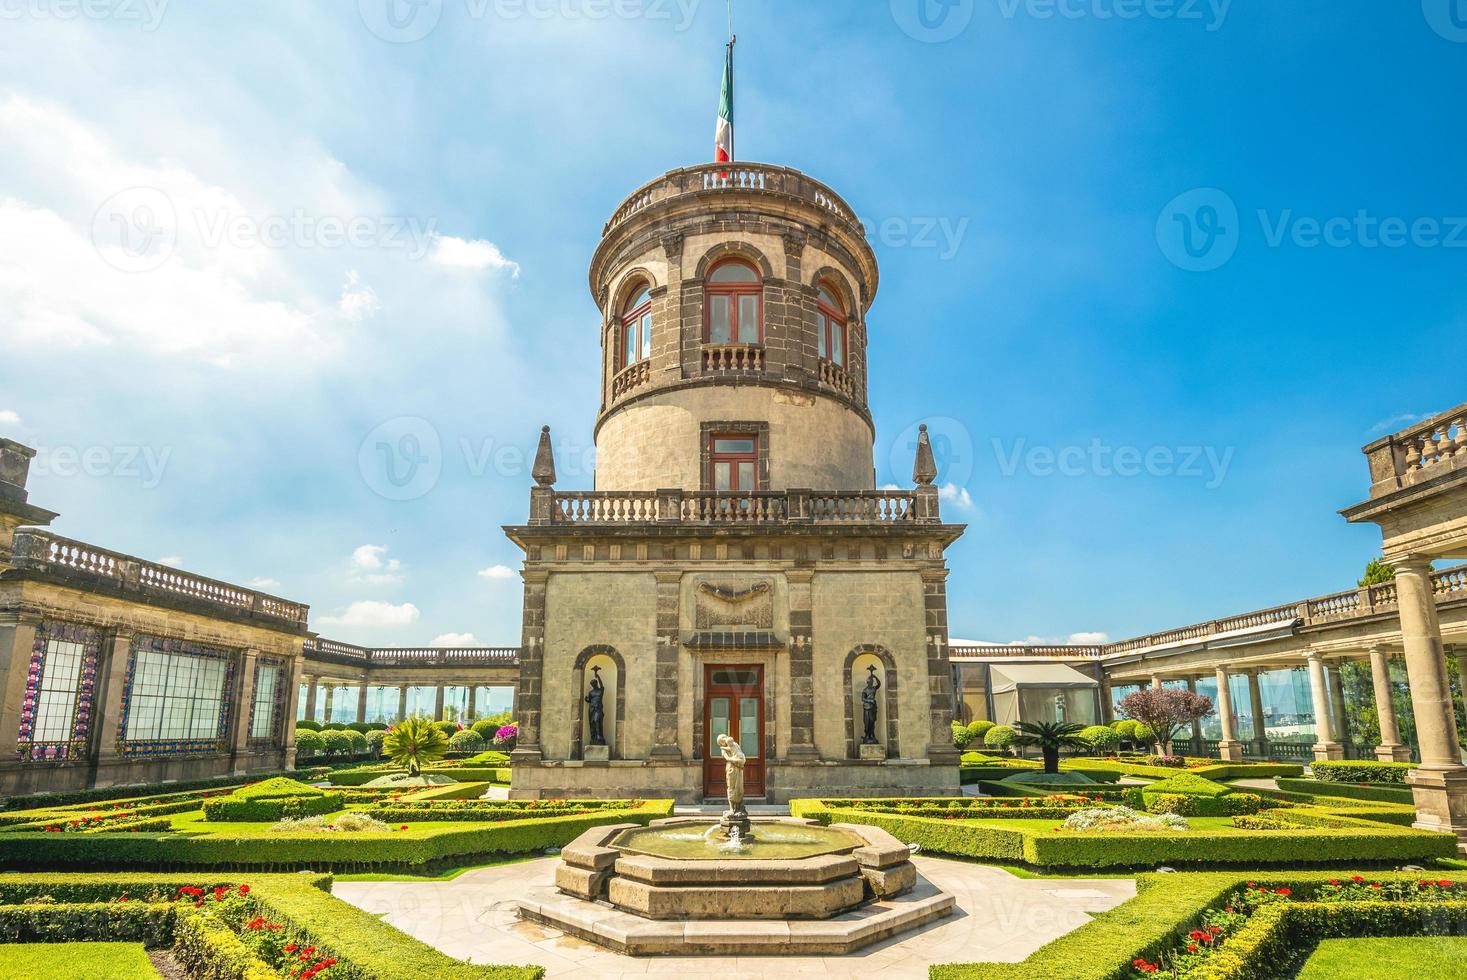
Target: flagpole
{"x": 732, "y": 40}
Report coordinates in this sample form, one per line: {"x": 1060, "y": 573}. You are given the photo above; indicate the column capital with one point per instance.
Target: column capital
{"x": 1411, "y": 564}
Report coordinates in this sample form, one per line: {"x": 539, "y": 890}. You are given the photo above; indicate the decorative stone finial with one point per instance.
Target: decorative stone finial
{"x": 544, "y": 469}
{"x": 924, "y": 470}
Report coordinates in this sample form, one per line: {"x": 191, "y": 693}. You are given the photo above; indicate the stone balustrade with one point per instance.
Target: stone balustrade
{"x": 1424, "y": 451}
{"x": 631, "y": 378}
{"x": 42, "y": 551}
{"x": 838, "y": 378}
{"x": 875, "y": 507}
{"x": 732, "y": 357}
{"x": 334, "y": 651}
{"x": 993, "y": 651}
{"x": 716, "y": 178}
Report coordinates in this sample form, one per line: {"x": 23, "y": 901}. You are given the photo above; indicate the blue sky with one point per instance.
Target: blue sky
{"x": 235, "y": 239}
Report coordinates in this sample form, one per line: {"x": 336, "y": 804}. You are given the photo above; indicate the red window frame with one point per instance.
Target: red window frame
{"x": 733, "y": 290}
{"x": 733, "y": 458}
{"x": 833, "y": 320}
{"x": 633, "y": 317}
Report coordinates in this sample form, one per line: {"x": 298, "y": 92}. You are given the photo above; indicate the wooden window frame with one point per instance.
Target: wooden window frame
{"x": 835, "y": 319}
{"x": 715, "y": 457}
{"x": 733, "y": 290}
{"x": 633, "y": 317}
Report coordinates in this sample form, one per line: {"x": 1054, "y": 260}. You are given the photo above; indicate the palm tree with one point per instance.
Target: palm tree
{"x": 414, "y": 744}
{"x": 1050, "y": 736}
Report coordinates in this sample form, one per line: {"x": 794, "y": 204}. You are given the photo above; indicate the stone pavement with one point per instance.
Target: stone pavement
{"x": 999, "y": 918}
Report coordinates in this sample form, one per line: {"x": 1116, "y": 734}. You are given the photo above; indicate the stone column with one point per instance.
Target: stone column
{"x": 402, "y": 702}
{"x": 438, "y": 703}
{"x": 330, "y": 703}
{"x": 802, "y": 669}
{"x": 1336, "y": 676}
{"x": 17, "y": 643}
{"x": 362, "y": 702}
{"x": 664, "y": 721}
{"x": 244, "y": 700}
{"x": 311, "y": 697}
{"x": 1156, "y": 682}
{"x": 940, "y": 748}
{"x": 471, "y": 714}
{"x": 1196, "y": 725}
{"x": 1325, "y": 746}
{"x": 1229, "y": 748}
{"x": 292, "y": 679}
{"x": 1255, "y": 705}
{"x": 1440, "y": 784}
{"x": 1390, "y": 748}
{"x": 112, "y": 675}
{"x": 1107, "y": 708}
{"x": 532, "y": 665}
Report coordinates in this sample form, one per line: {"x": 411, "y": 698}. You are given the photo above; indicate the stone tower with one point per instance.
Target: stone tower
{"x": 735, "y": 571}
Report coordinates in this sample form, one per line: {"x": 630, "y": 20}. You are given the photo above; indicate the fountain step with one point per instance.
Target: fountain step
{"x": 736, "y": 901}
{"x": 801, "y": 871}
{"x": 845, "y": 933}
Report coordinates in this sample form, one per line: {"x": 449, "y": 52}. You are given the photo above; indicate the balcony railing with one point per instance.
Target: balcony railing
{"x": 879, "y": 507}
{"x": 1425, "y": 450}
{"x": 47, "y": 552}
{"x": 319, "y": 648}
{"x": 630, "y": 378}
{"x": 713, "y": 178}
{"x": 732, "y": 357}
{"x": 838, "y": 378}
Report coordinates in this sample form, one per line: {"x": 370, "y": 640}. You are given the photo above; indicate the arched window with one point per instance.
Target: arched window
{"x": 733, "y": 302}
{"x": 636, "y": 329}
{"x": 830, "y": 326}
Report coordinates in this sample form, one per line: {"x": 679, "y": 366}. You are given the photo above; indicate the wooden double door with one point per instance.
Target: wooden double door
{"x": 733, "y": 705}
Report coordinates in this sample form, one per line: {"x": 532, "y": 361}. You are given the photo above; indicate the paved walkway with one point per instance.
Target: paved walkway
{"x": 1000, "y": 918}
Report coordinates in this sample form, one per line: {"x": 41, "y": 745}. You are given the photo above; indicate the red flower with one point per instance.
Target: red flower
{"x": 1444, "y": 884}
{"x": 1191, "y": 947}
{"x": 244, "y": 889}
{"x": 1357, "y": 879}
{"x": 1284, "y": 891}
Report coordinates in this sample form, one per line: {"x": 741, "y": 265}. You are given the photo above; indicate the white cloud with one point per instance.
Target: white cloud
{"x": 956, "y": 495}
{"x": 1081, "y": 639}
{"x": 358, "y": 301}
{"x": 370, "y": 564}
{"x": 172, "y": 561}
{"x": 373, "y": 613}
{"x": 473, "y": 255}
{"x": 1088, "y": 639}
{"x": 1398, "y": 422}
{"x": 265, "y": 584}
{"x": 9, "y": 418}
{"x": 455, "y": 640}
{"x": 497, "y": 572}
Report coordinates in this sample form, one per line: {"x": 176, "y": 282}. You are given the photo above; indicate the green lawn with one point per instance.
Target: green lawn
{"x": 1221, "y": 825}
{"x": 77, "y": 961}
{"x": 1387, "y": 959}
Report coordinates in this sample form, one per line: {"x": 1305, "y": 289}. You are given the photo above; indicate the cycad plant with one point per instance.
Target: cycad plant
{"x": 415, "y": 743}
{"x": 1050, "y": 736}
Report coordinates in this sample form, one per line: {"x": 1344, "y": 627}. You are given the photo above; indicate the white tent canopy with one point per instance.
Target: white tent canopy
{"x": 1042, "y": 692}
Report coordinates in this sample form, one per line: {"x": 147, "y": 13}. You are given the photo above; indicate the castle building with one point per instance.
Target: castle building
{"x": 735, "y": 571}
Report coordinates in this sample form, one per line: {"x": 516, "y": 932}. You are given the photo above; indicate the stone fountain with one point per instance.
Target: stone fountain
{"x": 740, "y": 885}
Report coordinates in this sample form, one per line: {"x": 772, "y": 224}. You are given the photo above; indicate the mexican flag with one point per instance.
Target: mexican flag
{"x": 723, "y": 137}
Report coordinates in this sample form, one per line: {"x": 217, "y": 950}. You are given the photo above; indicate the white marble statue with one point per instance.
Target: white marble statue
{"x": 733, "y": 769}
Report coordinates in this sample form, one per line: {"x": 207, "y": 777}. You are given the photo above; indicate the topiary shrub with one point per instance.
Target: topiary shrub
{"x": 272, "y": 800}
{"x": 308, "y": 725}
{"x": 334, "y": 726}
{"x": 335, "y": 742}
{"x": 1041, "y": 778}
{"x": 308, "y": 742}
{"x": 1101, "y": 738}
{"x": 979, "y": 729}
{"x": 448, "y": 728}
{"x": 375, "y": 738}
{"x": 1000, "y": 737}
{"x": 962, "y": 737}
{"x": 358, "y": 742}
{"x": 485, "y": 729}
{"x": 1361, "y": 772}
{"x": 489, "y": 758}
{"x": 467, "y": 740}
{"x": 1143, "y": 735}
{"x": 359, "y": 726}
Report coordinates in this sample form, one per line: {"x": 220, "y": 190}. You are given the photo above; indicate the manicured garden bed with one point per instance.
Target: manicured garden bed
{"x": 1376, "y": 792}
{"x": 78, "y": 961}
{"x": 1386, "y": 959}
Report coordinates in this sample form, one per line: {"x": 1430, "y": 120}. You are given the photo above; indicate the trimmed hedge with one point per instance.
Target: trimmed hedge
{"x": 271, "y": 800}
{"x": 418, "y": 848}
{"x": 1221, "y": 772}
{"x": 37, "y": 801}
{"x": 1379, "y": 793}
{"x": 1361, "y": 772}
{"x": 1356, "y": 841}
{"x": 362, "y": 775}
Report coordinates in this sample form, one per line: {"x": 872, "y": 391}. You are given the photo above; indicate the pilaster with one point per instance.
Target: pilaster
{"x": 801, "y": 667}
{"x": 664, "y": 724}
{"x": 116, "y": 655}
{"x": 17, "y": 643}
{"x": 532, "y": 666}
{"x": 244, "y": 700}
{"x": 940, "y": 749}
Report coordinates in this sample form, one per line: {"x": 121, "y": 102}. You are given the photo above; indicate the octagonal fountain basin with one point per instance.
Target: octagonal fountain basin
{"x": 701, "y": 841}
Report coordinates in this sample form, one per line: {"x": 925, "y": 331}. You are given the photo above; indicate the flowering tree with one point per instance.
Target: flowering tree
{"x": 1165, "y": 710}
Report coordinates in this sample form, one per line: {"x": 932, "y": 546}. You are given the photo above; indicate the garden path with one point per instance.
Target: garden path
{"x": 1000, "y": 918}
